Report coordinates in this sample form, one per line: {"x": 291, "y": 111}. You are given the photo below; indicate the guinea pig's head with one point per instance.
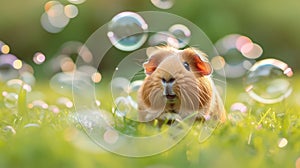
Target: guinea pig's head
{"x": 176, "y": 78}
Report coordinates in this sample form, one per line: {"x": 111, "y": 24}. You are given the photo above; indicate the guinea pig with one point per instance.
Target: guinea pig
{"x": 178, "y": 82}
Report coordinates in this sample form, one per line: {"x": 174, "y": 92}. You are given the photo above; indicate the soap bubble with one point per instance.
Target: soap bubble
{"x": 7, "y": 70}
{"x": 127, "y": 31}
{"x": 163, "y": 4}
{"x": 237, "y": 54}
{"x": 71, "y": 11}
{"x": 11, "y": 100}
{"x": 268, "y": 81}
{"x": 76, "y": 1}
{"x": 17, "y": 84}
{"x": 163, "y": 38}
{"x": 182, "y": 34}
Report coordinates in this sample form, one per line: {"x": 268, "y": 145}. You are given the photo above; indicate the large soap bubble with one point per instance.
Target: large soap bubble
{"x": 125, "y": 81}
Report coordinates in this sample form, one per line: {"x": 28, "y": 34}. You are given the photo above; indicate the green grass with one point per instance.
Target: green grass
{"x": 250, "y": 141}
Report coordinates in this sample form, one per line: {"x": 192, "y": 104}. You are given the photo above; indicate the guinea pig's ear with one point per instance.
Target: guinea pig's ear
{"x": 153, "y": 62}
{"x": 203, "y": 67}
{"x": 199, "y": 59}
{"x": 150, "y": 66}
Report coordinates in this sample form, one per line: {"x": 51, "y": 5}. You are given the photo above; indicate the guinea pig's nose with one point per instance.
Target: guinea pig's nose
{"x": 170, "y": 80}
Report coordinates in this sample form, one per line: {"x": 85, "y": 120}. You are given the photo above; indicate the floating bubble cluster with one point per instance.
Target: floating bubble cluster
{"x": 127, "y": 31}
{"x": 237, "y": 54}
{"x": 57, "y": 16}
{"x": 268, "y": 81}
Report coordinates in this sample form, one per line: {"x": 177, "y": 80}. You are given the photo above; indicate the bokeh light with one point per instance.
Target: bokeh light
{"x": 39, "y": 58}
{"x": 268, "y": 81}
{"x": 17, "y": 64}
{"x": 163, "y": 4}
{"x": 127, "y": 31}
{"x": 4, "y": 48}
{"x": 57, "y": 16}
{"x": 96, "y": 77}
{"x": 282, "y": 142}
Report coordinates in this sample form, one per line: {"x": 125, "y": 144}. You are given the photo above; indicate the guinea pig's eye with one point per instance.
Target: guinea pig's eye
{"x": 186, "y": 65}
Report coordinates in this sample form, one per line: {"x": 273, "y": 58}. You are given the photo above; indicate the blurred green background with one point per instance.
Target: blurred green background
{"x": 274, "y": 24}
{"x": 249, "y": 142}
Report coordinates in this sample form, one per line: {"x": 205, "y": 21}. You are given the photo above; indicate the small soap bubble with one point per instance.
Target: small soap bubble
{"x": 40, "y": 104}
{"x": 127, "y": 31}
{"x": 241, "y": 107}
{"x": 45, "y": 22}
{"x": 122, "y": 106}
{"x": 120, "y": 84}
{"x": 163, "y": 38}
{"x": 17, "y": 84}
{"x": 267, "y": 81}
{"x": 111, "y": 136}
{"x": 163, "y": 4}
{"x": 7, "y": 71}
{"x": 282, "y": 142}
{"x": 11, "y": 100}
{"x": 28, "y": 78}
{"x": 30, "y": 125}
{"x": 71, "y": 11}
{"x": 9, "y": 129}
{"x": 54, "y": 109}
{"x": 39, "y": 58}
{"x": 134, "y": 86}
{"x": 65, "y": 102}
{"x": 76, "y": 1}
{"x": 181, "y": 33}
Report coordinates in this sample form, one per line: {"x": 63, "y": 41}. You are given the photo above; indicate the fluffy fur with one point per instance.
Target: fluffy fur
{"x": 193, "y": 87}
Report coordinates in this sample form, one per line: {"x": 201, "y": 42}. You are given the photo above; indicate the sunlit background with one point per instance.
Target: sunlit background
{"x": 257, "y": 41}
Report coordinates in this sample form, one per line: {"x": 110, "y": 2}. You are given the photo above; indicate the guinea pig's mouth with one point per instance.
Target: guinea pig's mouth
{"x": 171, "y": 97}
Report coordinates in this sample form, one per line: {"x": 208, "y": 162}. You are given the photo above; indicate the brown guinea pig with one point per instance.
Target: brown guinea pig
{"x": 178, "y": 82}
